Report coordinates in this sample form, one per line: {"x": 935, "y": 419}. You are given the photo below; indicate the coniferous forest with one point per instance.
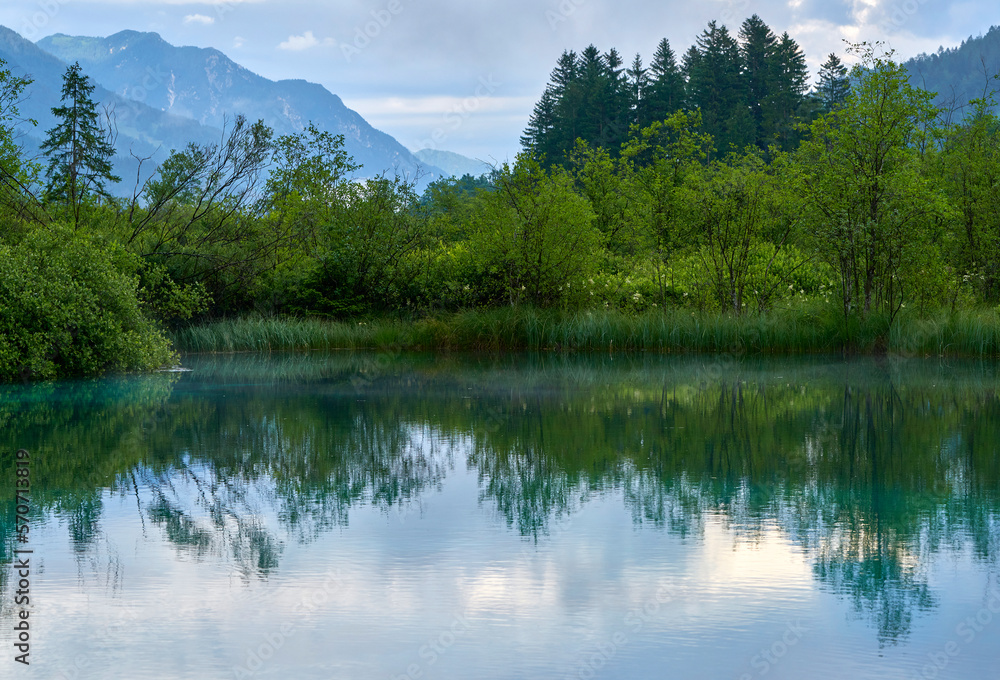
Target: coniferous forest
{"x": 751, "y": 90}
{"x": 712, "y": 199}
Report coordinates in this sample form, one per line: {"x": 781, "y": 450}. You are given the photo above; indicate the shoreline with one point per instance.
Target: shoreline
{"x": 965, "y": 333}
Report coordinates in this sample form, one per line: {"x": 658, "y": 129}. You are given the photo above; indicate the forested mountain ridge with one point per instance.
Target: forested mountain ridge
{"x": 959, "y": 74}
{"x": 207, "y": 86}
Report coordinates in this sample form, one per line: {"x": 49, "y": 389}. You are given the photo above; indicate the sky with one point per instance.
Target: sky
{"x": 463, "y": 76}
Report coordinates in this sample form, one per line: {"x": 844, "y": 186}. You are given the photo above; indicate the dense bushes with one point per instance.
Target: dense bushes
{"x": 70, "y": 308}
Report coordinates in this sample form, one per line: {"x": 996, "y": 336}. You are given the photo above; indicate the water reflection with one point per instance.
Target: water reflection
{"x": 870, "y": 467}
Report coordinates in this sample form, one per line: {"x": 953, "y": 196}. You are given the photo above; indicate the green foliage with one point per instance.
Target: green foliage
{"x": 446, "y": 204}
{"x": 79, "y": 149}
{"x": 362, "y": 263}
{"x": 744, "y": 220}
{"x": 872, "y": 207}
{"x": 309, "y": 171}
{"x": 750, "y": 91}
{"x": 656, "y": 163}
{"x": 70, "y": 308}
{"x": 167, "y": 301}
{"x": 969, "y": 166}
{"x": 199, "y": 218}
{"x": 603, "y": 181}
{"x": 535, "y": 235}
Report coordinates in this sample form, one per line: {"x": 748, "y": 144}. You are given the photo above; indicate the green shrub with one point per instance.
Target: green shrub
{"x": 534, "y": 236}
{"x": 69, "y": 307}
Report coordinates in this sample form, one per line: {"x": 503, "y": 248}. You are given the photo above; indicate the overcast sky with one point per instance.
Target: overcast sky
{"x": 462, "y": 75}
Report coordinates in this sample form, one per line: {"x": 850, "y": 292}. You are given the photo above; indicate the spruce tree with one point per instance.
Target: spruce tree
{"x": 541, "y": 125}
{"x": 638, "y": 83}
{"x": 690, "y": 64}
{"x": 567, "y": 103}
{"x": 716, "y": 86}
{"x": 615, "y": 103}
{"x": 79, "y": 150}
{"x": 666, "y": 86}
{"x": 593, "y": 85}
{"x": 787, "y": 103}
{"x": 834, "y": 85}
{"x": 760, "y": 73}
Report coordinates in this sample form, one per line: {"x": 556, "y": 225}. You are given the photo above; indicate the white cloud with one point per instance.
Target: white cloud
{"x": 238, "y": 42}
{"x": 199, "y": 19}
{"x": 297, "y": 43}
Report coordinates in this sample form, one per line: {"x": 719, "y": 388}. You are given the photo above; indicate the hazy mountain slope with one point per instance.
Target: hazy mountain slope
{"x": 961, "y": 73}
{"x": 453, "y": 164}
{"x": 206, "y": 86}
{"x": 142, "y": 131}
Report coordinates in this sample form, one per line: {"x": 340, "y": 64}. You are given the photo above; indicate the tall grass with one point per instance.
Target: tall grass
{"x": 966, "y": 333}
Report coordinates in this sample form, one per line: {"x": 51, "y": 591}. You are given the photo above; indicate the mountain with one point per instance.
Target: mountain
{"x": 206, "y": 86}
{"x": 453, "y": 164}
{"x": 959, "y": 74}
{"x": 142, "y": 130}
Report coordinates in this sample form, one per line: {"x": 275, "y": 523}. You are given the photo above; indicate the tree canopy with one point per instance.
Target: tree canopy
{"x": 751, "y": 89}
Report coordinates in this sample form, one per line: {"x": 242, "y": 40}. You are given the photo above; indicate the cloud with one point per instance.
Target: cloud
{"x": 199, "y": 19}
{"x": 297, "y": 43}
{"x": 238, "y": 42}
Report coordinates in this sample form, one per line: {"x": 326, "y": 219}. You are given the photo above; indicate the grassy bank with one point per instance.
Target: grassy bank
{"x": 966, "y": 333}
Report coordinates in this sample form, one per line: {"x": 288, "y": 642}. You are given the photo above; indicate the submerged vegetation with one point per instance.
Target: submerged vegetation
{"x": 849, "y": 219}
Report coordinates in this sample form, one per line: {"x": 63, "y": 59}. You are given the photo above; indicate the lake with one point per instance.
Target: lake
{"x": 412, "y": 516}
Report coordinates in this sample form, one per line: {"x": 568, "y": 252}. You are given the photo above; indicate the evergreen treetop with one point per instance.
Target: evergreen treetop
{"x": 78, "y": 148}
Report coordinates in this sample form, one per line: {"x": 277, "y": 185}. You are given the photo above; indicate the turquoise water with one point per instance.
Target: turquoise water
{"x": 395, "y": 516}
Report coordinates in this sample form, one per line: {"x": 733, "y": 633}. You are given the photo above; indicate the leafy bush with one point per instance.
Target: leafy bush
{"x": 69, "y": 307}
{"x": 534, "y": 235}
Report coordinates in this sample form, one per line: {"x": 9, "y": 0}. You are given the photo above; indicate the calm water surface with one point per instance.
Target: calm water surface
{"x": 394, "y": 516}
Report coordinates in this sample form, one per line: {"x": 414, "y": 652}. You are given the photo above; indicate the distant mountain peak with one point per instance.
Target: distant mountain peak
{"x": 205, "y": 85}
{"x": 129, "y": 34}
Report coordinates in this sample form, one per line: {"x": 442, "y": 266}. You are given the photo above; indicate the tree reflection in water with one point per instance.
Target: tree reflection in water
{"x": 870, "y": 467}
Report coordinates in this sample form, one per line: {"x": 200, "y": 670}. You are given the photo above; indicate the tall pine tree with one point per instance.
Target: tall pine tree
{"x": 665, "y": 93}
{"x": 758, "y": 46}
{"x": 615, "y": 104}
{"x": 834, "y": 85}
{"x": 787, "y": 104}
{"x": 716, "y": 86}
{"x": 79, "y": 150}
{"x": 592, "y": 85}
{"x": 638, "y": 84}
{"x": 542, "y": 124}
